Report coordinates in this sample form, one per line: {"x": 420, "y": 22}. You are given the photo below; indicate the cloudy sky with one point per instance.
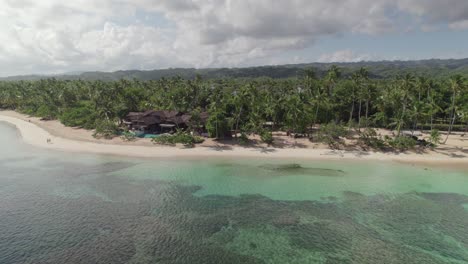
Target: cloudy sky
{"x": 56, "y": 36}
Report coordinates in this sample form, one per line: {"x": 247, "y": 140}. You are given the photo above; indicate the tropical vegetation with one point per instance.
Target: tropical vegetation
{"x": 322, "y": 107}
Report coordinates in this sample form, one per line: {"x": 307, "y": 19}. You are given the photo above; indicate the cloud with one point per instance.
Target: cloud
{"x": 346, "y": 56}
{"x": 299, "y": 21}
{"x": 459, "y": 25}
{"x": 58, "y": 36}
{"x": 436, "y": 11}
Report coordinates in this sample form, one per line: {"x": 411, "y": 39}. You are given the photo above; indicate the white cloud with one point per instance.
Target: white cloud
{"x": 436, "y": 11}
{"x": 459, "y": 25}
{"x": 58, "y": 36}
{"x": 346, "y": 56}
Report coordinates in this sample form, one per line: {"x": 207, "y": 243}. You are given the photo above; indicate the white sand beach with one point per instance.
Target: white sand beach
{"x": 38, "y": 133}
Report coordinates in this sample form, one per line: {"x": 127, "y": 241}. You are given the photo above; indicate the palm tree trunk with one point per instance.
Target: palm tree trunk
{"x": 316, "y": 114}
{"x": 359, "y": 116}
{"x": 217, "y": 135}
{"x": 237, "y": 122}
{"x": 452, "y": 121}
{"x": 466, "y": 129}
{"x": 450, "y": 128}
{"x": 367, "y": 113}
{"x": 401, "y": 120}
{"x": 417, "y": 113}
{"x": 432, "y": 121}
{"x": 351, "y": 116}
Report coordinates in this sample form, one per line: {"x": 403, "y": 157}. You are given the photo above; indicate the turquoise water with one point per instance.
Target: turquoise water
{"x": 74, "y": 208}
{"x": 150, "y": 136}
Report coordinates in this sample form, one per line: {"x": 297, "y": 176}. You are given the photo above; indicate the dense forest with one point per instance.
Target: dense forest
{"x": 377, "y": 70}
{"x": 299, "y": 105}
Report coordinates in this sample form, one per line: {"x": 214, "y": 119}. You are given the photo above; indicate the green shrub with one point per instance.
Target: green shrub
{"x": 331, "y": 134}
{"x": 442, "y": 127}
{"x": 106, "y": 129}
{"x": 352, "y": 124}
{"x": 47, "y": 112}
{"x": 27, "y": 110}
{"x": 435, "y": 137}
{"x": 81, "y": 116}
{"x": 128, "y": 136}
{"x": 218, "y": 126}
{"x": 370, "y": 138}
{"x": 402, "y": 143}
{"x": 267, "y": 137}
{"x": 366, "y": 122}
{"x": 163, "y": 140}
{"x": 180, "y": 137}
{"x": 244, "y": 139}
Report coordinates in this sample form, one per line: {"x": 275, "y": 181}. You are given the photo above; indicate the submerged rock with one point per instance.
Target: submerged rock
{"x": 297, "y": 168}
{"x": 286, "y": 220}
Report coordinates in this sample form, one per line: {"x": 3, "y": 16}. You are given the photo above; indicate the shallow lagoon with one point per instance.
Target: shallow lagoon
{"x": 71, "y": 208}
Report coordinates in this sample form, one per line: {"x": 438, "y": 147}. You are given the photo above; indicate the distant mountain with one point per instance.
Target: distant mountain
{"x": 379, "y": 69}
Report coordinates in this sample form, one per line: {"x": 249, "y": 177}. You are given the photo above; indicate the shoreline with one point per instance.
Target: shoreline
{"x": 37, "y": 135}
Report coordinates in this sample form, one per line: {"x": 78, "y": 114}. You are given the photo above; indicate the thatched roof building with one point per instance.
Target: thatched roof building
{"x": 155, "y": 121}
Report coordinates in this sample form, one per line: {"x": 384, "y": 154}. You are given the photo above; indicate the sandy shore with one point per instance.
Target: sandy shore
{"x": 37, "y": 133}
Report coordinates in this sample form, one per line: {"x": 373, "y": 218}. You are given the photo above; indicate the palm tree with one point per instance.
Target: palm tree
{"x": 217, "y": 111}
{"x": 421, "y": 86}
{"x": 370, "y": 91}
{"x": 465, "y": 118}
{"x": 327, "y": 87}
{"x": 354, "y": 87}
{"x": 431, "y": 109}
{"x": 406, "y": 84}
{"x": 363, "y": 76}
{"x": 456, "y": 85}
{"x": 294, "y": 112}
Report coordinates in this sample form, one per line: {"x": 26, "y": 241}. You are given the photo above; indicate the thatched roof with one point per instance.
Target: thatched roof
{"x": 165, "y": 114}
{"x": 152, "y": 117}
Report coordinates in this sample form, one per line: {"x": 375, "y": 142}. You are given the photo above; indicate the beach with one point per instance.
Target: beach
{"x": 55, "y": 136}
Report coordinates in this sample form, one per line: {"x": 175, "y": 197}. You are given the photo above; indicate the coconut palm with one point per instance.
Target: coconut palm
{"x": 456, "y": 85}
{"x": 401, "y": 99}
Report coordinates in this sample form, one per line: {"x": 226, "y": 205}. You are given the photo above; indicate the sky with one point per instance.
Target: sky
{"x": 60, "y": 36}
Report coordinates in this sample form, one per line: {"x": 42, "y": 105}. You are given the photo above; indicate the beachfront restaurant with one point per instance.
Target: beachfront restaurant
{"x": 160, "y": 122}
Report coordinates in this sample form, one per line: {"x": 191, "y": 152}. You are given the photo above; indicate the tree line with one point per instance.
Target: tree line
{"x": 297, "y": 105}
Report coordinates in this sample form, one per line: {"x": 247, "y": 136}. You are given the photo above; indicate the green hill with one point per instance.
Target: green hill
{"x": 379, "y": 70}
